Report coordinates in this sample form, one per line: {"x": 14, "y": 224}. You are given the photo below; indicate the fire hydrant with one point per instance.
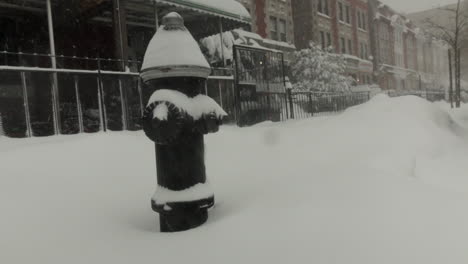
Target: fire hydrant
{"x": 176, "y": 118}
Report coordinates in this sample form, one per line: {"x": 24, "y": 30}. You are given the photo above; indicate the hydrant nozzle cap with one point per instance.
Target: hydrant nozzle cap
{"x": 173, "y": 21}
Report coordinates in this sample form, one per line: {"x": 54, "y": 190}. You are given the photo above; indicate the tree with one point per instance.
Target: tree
{"x": 317, "y": 69}
{"x": 454, "y": 33}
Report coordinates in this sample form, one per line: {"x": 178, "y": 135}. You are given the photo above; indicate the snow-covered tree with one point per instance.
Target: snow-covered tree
{"x": 455, "y": 34}
{"x": 316, "y": 69}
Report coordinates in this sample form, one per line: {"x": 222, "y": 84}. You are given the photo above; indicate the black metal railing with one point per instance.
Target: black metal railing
{"x": 40, "y": 60}
{"x": 281, "y": 106}
{"x": 428, "y": 94}
{"x": 46, "y": 101}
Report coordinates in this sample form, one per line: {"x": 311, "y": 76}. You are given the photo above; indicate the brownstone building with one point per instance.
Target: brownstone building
{"x": 273, "y": 21}
{"x": 340, "y": 24}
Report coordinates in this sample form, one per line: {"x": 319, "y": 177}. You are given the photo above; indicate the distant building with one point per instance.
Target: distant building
{"x": 446, "y": 19}
{"x": 405, "y": 57}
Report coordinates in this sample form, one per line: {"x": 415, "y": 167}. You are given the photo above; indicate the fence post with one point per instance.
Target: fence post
{"x": 102, "y": 113}
{"x": 220, "y": 94}
{"x": 123, "y": 105}
{"x": 310, "y": 104}
{"x": 290, "y": 101}
{"x": 2, "y": 133}
{"x": 27, "y": 114}
{"x": 140, "y": 96}
{"x": 79, "y": 108}
{"x": 237, "y": 95}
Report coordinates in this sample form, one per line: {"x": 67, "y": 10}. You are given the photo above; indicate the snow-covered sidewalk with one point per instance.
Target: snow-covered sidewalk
{"x": 383, "y": 182}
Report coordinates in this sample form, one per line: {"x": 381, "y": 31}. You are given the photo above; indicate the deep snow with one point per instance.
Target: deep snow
{"x": 384, "y": 182}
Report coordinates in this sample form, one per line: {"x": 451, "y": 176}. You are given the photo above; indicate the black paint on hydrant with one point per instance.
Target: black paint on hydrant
{"x": 180, "y": 151}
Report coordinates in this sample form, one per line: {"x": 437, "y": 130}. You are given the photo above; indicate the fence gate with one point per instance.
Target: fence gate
{"x": 259, "y": 85}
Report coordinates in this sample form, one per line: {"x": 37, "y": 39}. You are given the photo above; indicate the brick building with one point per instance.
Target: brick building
{"x": 273, "y": 21}
{"x": 340, "y": 24}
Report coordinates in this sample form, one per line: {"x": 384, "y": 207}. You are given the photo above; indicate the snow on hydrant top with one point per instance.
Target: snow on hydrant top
{"x": 173, "y": 52}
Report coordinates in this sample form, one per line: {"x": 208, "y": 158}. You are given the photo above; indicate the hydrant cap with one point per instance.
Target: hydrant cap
{"x": 173, "y": 52}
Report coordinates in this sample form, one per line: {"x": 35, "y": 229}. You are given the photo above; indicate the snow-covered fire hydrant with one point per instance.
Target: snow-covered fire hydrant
{"x": 176, "y": 118}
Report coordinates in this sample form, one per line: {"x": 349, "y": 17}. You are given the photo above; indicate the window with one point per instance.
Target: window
{"x": 350, "y": 47}
{"x": 363, "y": 48}
{"x": 340, "y": 11}
{"x": 343, "y": 45}
{"x": 325, "y": 39}
{"x": 322, "y": 7}
{"x": 348, "y": 18}
{"x": 359, "y": 19}
{"x": 366, "y": 57}
{"x": 398, "y": 35}
{"x": 361, "y": 55}
{"x": 282, "y": 30}
{"x": 411, "y": 53}
{"x": 384, "y": 43}
{"x": 364, "y": 22}
{"x": 322, "y": 39}
{"x": 366, "y": 54}
{"x": 274, "y": 28}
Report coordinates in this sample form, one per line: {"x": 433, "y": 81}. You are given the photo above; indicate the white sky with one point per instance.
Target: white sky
{"x": 410, "y": 6}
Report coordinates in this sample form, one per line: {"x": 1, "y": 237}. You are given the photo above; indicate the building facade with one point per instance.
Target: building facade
{"x": 379, "y": 44}
{"x": 341, "y": 25}
{"x": 273, "y": 21}
{"x": 405, "y": 56}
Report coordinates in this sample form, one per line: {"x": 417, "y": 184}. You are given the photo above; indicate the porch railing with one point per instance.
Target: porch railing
{"x": 40, "y": 60}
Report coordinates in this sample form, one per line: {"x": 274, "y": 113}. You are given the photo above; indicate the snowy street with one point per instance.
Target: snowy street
{"x": 383, "y": 182}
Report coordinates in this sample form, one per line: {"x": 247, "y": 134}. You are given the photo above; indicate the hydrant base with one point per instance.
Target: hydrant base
{"x": 182, "y": 220}
{"x": 182, "y": 216}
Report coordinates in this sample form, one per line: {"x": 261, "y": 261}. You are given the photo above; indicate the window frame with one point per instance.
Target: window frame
{"x": 343, "y": 45}
{"x": 274, "y": 28}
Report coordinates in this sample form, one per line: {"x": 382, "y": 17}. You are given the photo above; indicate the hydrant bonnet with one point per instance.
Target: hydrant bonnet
{"x": 173, "y": 52}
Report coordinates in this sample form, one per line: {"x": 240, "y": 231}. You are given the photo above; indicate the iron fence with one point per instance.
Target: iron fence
{"x": 43, "y": 102}
{"x": 40, "y": 60}
{"x": 430, "y": 95}
{"x": 2, "y": 133}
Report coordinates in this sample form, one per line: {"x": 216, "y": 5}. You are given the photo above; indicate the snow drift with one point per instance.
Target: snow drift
{"x": 376, "y": 184}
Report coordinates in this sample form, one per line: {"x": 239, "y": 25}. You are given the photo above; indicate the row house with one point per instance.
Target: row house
{"x": 341, "y": 25}
{"x": 72, "y": 66}
{"x": 405, "y": 57}
{"x": 273, "y": 21}
{"x": 379, "y": 44}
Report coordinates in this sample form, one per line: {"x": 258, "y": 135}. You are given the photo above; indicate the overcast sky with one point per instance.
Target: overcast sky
{"x": 410, "y": 6}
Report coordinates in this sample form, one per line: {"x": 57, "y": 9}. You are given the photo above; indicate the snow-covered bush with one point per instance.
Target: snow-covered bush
{"x": 315, "y": 69}
{"x": 213, "y": 50}
{"x": 211, "y": 47}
